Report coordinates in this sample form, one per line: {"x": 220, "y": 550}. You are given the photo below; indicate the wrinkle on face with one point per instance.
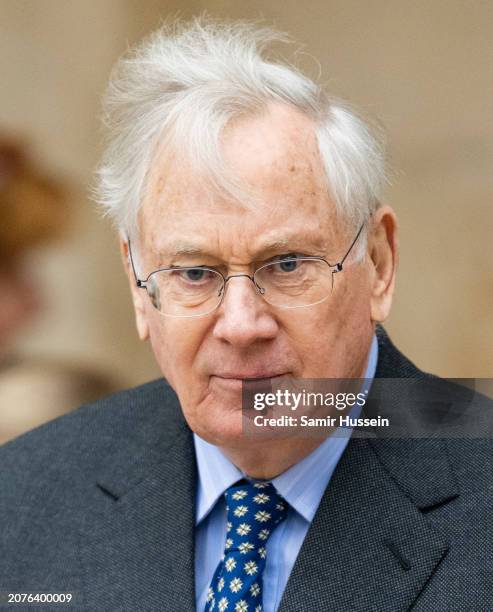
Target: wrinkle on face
{"x": 283, "y": 167}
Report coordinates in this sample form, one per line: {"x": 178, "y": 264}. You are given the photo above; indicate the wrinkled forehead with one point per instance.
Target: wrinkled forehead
{"x": 273, "y": 179}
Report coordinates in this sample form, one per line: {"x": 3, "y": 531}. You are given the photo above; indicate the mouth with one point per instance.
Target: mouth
{"x": 235, "y": 381}
{"x": 251, "y": 375}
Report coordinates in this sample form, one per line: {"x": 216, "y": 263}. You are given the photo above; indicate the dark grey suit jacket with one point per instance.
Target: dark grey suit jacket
{"x": 100, "y": 503}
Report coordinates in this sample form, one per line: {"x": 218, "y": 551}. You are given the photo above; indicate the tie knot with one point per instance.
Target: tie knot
{"x": 254, "y": 510}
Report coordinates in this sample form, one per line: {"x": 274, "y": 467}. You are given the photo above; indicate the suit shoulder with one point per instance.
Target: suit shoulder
{"x": 472, "y": 463}
{"x": 466, "y": 418}
{"x": 79, "y": 441}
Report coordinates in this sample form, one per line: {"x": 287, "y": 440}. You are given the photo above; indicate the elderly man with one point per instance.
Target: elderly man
{"x": 257, "y": 249}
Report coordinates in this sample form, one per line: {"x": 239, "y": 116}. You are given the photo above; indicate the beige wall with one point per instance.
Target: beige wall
{"x": 425, "y": 69}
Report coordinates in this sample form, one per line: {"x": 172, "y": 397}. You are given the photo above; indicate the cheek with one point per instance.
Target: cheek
{"x": 331, "y": 338}
{"x": 175, "y": 343}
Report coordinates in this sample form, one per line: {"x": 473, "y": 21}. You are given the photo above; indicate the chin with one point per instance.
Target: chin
{"x": 225, "y": 432}
{"x": 218, "y": 419}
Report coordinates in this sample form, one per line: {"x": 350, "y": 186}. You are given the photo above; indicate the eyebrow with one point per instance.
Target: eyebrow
{"x": 179, "y": 249}
{"x": 184, "y": 249}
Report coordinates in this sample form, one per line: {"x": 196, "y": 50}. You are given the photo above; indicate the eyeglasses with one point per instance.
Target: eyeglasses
{"x": 288, "y": 282}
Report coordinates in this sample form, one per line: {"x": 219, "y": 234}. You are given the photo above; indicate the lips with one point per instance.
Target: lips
{"x": 262, "y": 375}
{"x": 234, "y": 382}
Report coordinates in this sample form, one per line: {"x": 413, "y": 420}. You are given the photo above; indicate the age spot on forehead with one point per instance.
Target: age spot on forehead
{"x": 160, "y": 184}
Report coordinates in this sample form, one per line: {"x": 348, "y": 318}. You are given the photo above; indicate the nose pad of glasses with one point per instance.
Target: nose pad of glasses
{"x": 260, "y": 290}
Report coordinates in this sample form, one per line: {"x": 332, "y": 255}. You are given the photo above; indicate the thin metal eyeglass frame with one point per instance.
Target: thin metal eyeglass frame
{"x": 141, "y": 284}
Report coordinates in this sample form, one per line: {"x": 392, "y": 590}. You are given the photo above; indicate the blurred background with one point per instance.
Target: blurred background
{"x": 424, "y": 69}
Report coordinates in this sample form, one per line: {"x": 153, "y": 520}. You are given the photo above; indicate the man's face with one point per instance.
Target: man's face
{"x": 205, "y": 359}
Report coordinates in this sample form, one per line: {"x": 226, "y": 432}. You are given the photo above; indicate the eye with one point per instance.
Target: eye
{"x": 195, "y": 274}
{"x": 287, "y": 263}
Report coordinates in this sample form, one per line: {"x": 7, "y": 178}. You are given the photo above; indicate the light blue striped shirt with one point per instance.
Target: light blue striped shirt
{"x": 302, "y": 486}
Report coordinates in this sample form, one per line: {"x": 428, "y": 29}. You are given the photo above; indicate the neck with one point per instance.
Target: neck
{"x": 272, "y": 458}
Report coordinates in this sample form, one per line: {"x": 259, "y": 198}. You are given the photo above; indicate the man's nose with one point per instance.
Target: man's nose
{"x": 243, "y": 316}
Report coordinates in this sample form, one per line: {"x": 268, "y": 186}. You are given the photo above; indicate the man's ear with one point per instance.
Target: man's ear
{"x": 383, "y": 253}
{"x": 138, "y": 293}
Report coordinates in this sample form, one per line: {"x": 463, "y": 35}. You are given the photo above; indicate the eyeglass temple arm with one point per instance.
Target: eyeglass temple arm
{"x": 339, "y": 265}
{"x": 138, "y": 282}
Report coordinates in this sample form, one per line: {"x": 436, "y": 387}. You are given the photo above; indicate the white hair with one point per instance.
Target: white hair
{"x": 185, "y": 82}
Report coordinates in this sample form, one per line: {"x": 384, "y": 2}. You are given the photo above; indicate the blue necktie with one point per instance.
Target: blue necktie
{"x": 254, "y": 510}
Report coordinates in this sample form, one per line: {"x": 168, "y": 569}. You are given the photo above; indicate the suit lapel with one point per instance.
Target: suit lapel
{"x": 368, "y": 544}
{"x": 137, "y": 550}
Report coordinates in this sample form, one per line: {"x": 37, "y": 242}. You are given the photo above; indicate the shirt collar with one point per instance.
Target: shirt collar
{"x": 216, "y": 474}
{"x": 302, "y": 485}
